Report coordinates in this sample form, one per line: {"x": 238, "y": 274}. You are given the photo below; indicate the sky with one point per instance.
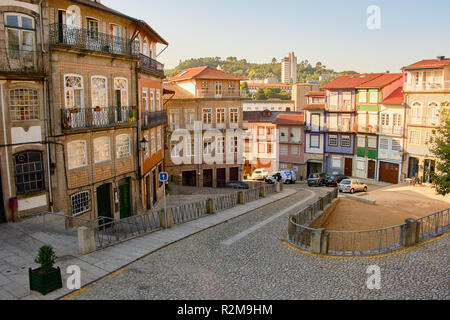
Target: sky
{"x": 333, "y": 32}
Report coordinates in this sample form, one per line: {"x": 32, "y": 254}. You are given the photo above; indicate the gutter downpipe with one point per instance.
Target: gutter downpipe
{"x": 46, "y": 119}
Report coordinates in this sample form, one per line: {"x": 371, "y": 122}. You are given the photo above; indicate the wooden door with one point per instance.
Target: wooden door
{"x": 148, "y": 193}
{"x": 104, "y": 211}
{"x": 389, "y": 172}
{"x": 234, "y": 174}
{"x": 124, "y": 198}
{"x": 371, "y": 170}
{"x": 348, "y": 170}
{"x": 221, "y": 177}
{"x": 208, "y": 178}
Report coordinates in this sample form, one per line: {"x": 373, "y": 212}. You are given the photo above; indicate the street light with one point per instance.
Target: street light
{"x": 143, "y": 143}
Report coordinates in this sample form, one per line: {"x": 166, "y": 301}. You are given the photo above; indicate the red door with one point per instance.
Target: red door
{"x": 348, "y": 167}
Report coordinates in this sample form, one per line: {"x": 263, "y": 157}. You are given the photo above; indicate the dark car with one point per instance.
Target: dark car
{"x": 334, "y": 180}
{"x": 237, "y": 185}
{"x": 317, "y": 179}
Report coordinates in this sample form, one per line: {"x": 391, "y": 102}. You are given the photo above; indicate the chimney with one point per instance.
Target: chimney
{"x": 440, "y": 58}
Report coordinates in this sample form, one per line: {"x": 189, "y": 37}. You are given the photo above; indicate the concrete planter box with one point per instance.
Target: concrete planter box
{"x": 45, "y": 282}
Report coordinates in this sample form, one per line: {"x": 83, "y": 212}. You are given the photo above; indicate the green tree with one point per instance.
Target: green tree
{"x": 440, "y": 147}
{"x": 274, "y": 60}
{"x": 260, "y": 95}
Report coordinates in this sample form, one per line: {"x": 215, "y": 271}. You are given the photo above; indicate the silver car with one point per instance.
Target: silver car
{"x": 352, "y": 186}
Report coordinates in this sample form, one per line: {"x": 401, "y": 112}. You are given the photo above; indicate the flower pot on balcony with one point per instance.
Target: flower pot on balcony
{"x": 45, "y": 282}
{"x": 97, "y": 109}
{"x": 74, "y": 110}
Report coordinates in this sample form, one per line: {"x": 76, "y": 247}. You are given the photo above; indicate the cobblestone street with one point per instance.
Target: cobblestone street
{"x": 218, "y": 264}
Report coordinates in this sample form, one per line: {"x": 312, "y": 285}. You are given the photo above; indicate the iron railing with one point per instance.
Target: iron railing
{"x": 61, "y": 34}
{"x": 151, "y": 65}
{"x": 85, "y": 118}
{"x": 209, "y": 93}
{"x": 154, "y": 119}
{"x": 434, "y": 224}
{"x": 21, "y": 61}
{"x": 391, "y": 130}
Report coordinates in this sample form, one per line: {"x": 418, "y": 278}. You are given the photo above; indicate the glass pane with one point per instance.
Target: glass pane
{"x": 27, "y": 40}
{"x": 12, "y": 21}
{"x": 13, "y": 44}
{"x": 27, "y": 23}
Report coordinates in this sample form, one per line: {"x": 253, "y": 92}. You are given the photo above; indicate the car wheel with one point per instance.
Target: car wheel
{"x": 365, "y": 189}
{"x": 352, "y": 191}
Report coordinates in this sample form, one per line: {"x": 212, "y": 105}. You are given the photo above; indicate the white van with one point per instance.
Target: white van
{"x": 260, "y": 174}
{"x": 287, "y": 177}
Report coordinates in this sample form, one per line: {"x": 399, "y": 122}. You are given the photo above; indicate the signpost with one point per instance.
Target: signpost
{"x": 164, "y": 177}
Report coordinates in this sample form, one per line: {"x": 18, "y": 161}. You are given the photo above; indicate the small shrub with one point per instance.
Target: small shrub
{"x": 46, "y": 258}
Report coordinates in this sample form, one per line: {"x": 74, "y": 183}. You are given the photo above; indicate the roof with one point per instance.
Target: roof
{"x": 257, "y": 116}
{"x": 269, "y": 85}
{"x": 290, "y": 118}
{"x": 351, "y": 81}
{"x": 395, "y": 97}
{"x": 205, "y": 72}
{"x": 428, "y": 64}
{"x": 153, "y": 33}
{"x": 315, "y": 106}
{"x": 382, "y": 81}
{"x": 270, "y": 101}
{"x": 180, "y": 93}
{"x": 315, "y": 94}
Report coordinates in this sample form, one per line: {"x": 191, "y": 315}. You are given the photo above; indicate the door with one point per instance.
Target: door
{"x": 189, "y": 178}
{"x": 104, "y": 203}
{"x": 155, "y": 193}
{"x": 234, "y": 174}
{"x": 389, "y": 172}
{"x": 348, "y": 167}
{"x": 2, "y": 206}
{"x": 413, "y": 170}
{"x": 118, "y": 93}
{"x": 371, "y": 170}
{"x": 124, "y": 198}
{"x": 221, "y": 177}
{"x": 148, "y": 192}
{"x": 208, "y": 178}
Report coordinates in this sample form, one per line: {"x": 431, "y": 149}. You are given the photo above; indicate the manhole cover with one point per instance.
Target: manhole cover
{"x": 8, "y": 272}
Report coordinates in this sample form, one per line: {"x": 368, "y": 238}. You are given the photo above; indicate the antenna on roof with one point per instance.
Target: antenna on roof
{"x": 440, "y": 58}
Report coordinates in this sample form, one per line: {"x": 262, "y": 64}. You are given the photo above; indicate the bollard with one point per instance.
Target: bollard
{"x": 321, "y": 204}
{"x": 262, "y": 192}
{"x": 278, "y": 187}
{"x": 241, "y": 197}
{"x": 316, "y": 240}
{"x": 409, "y": 233}
{"x": 211, "y": 206}
{"x": 86, "y": 240}
{"x": 162, "y": 218}
{"x": 325, "y": 245}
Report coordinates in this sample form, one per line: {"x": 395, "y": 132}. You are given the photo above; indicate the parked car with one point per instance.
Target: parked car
{"x": 317, "y": 179}
{"x": 352, "y": 186}
{"x": 260, "y": 174}
{"x": 334, "y": 180}
{"x": 237, "y": 185}
{"x": 287, "y": 177}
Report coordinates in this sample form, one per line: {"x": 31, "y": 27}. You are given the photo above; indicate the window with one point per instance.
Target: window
{"x": 207, "y": 147}
{"x": 146, "y": 148}
{"x": 345, "y": 141}
{"x": 433, "y": 114}
{"x": 145, "y": 99}
{"x": 347, "y": 100}
{"x": 416, "y": 113}
{"x": 175, "y": 150}
{"x": 362, "y": 96}
{"x": 372, "y": 142}
{"x": 373, "y": 96}
{"x": 158, "y": 139}
{"x": 207, "y": 116}
{"x": 121, "y": 92}
{"x": 397, "y": 120}
{"x": 361, "y": 142}
{"x": 92, "y": 29}
{"x": 333, "y": 122}
{"x": 360, "y": 165}
{"x": 315, "y": 141}
{"x": 218, "y": 88}
{"x": 190, "y": 117}
{"x": 152, "y": 100}
{"x": 158, "y": 100}
{"x": 80, "y": 203}
{"x": 261, "y": 132}
{"x": 414, "y": 137}
{"x": 102, "y": 149}
{"x": 385, "y": 119}
{"x": 261, "y": 147}
{"x": 396, "y": 145}
{"x": 220, "y": 145}
{"x": 336, "y": 162}
{"x": 384, "y": 144}
{"x": 24, "y": 104}
{"x": 220, "y": 114}
{"x": 173, "y": 119}
{"x": 295, "y": 150}
{"x": 99, "y": 92}
{"x": 204, "y": 86}
{"x": 234, "y": 115}
{"x": 234, "y": 145}
{"x": 153, "y": 142}
{"x": 332, "y": 140}
{"x": 270, "y": 148}
{"x": 20, "y": 35}
{"x": 284, "y": 150}
{"x": 123, "y": 146}
{"x": 74, "y": 91}
{"x": 29, "y": 172}
{"x": 77, "y": 154}
{"x": 334, "y": 99}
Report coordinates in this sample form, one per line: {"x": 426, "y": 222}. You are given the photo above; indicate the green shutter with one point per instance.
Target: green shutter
{"x": 372, "y": 154}
{"x": 361, "y": 152}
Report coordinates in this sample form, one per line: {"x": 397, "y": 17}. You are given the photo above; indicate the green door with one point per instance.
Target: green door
{"x": 124, "y": 199}
{"x": 104, "y": 203}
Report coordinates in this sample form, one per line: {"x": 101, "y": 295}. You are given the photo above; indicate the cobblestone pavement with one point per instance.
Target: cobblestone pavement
{"x": 260, "y": 266}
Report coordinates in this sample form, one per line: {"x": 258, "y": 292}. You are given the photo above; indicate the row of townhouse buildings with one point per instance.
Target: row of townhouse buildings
{"x": 81, "y": 100}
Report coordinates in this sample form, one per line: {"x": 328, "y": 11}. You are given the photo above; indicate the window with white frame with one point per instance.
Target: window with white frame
{"x": 347, "y": 100}
{"x": 261, "y": 148}
{"x": 174, "y": 118}
{"x": 333, "y": 140}
{"x": 220, "y": 145}
{"x": 397, "y": 120}
{"x": 189, "y": 116}
{"x": 121, "y": 92}
{"x": 146, "y": 146}
{"x": 384, "y": 144}
{"x": 362, "y": 96}
{"x": 373, "y": 96}
{"x": 152, "y": 100}
{"x": 145, "y": 99}
{"x": 24, "y": 104}
{"x": 234, "y": 145}
{"x": 158, "y": 100}
{"x": 295, "y": 150}
{"x": 77, "y": 154}
{"x": 99, "y": 92}
{"x": 414, "y": 137}
{"x": 20, "y": 37}
{"x": 153, "y": 142}
{"x": 396, "y": 145}
{"x": 385, "y": 119}
{"x": 175, "y": 149}
{"x": 220, "y": 115}
{"x": 315, "y": 141}
{"x": 284, "y": 150}
{"x": 158, "y": 139}
{"x": 29, "y": 172}
{"x": 270, "y": 148}
{"x": 427, "y": 137}
{"x": 361, "y": 140}
{"x": 102, "y": 149}
{"x": 416, "y": 113}
{"x": 262, "y": 132}
{"x": 207, "y": 147}
{"x": 123, "y": 146}
{"x": 332, "y": 122}
{"x": 433, "y": 114}
{"x": 360, "y": 165}
{"x": 207, "y": 116}
{"x": 372, "y": 142}
{"x": 80, "y": 203}
{"x": 346, "y": 141}
{"x": 334, "y": 96}
{"x": 74, "y": 91}
{"x": 336, "y": 162}
{"x": 234, "y": 115}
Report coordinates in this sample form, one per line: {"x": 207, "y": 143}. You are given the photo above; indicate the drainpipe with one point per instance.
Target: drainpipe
{"x": 2, "y": 82}
{"x": 46, "y": 118}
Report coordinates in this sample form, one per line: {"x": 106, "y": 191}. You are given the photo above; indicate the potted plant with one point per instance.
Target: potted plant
{"x": 97, "y": 109}
{"x": 46, "y": 278}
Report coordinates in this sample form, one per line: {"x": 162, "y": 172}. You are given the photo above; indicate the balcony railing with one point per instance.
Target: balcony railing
{"x": 87, "y": 118}
{"x": 368, "y": 128}
{"x": 21, "y": 61}
{"x": 445, "y": 85}
{"x": 339, "y": 128}
{"x": 154, "y": 119}
{"x": 151, "y": 65}
{"x": 61, "y": 34}
{"x": 218, "y": 94}
{"x": 392, "y": 130}
{"x": 343, "y": 108}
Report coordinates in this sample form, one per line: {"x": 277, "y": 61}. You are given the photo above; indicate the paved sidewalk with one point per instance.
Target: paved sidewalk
{"x": 100, "y": 263}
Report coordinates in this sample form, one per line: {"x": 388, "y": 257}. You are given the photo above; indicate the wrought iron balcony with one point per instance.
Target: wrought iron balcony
{"x": 21, "y": 61}
{"x": 367, "y": 128}
{"x": 394, "y": 130}
{"x": 61, "y": 34}
{"x": 154, "y": 119}
{"x": 151, "y": 65}
{"x": 219, "y": 94}
{"x": 87, "y": 118}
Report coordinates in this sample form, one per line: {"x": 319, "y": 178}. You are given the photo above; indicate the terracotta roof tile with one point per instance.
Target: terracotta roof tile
{"x": 290, "y": 118}
{"x": 180, "y": 93}
{"x": 205, "y": 72}
{"x": 395, "y": 97}
{"x": 351, "y": 81}
{"x": 315, "y": 106}
{"x": 315, "y": 94}
{"x": 382, "y": 81}
{"x": 428, "y": 64}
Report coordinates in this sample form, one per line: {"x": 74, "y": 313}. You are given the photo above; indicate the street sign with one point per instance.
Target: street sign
{"x": 163, "y": 177}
